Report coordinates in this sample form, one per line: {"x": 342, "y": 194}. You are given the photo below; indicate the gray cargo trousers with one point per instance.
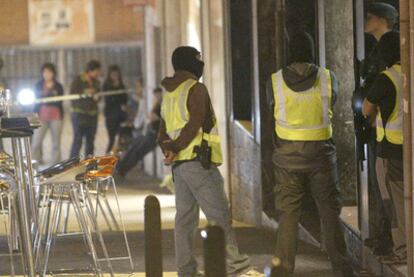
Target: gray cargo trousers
{"x": 196, "y": 187}
{"x": 290, "y": 189}
{"x": 391, "y": 182}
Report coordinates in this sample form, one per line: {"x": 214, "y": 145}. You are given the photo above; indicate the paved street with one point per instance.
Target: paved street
{"x": 70, "y": 253}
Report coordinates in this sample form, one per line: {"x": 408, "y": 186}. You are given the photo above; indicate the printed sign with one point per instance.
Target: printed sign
{"x": 139, "y": 2}
{"x": 61, "y": 22}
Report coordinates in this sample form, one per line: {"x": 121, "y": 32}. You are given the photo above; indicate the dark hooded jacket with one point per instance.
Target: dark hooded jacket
{"x": 300, "y": 155}
{"x": 87, "y": 106}
{"x": 199, "y": 108}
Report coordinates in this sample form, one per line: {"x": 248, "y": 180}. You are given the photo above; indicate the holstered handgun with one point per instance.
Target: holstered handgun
{"x": 203, "y": 154}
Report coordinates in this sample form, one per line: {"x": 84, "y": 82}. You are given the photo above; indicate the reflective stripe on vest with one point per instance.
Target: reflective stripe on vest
{"x": 393, "y": 131}
{"x": 305, "y": 115}
{"x": 175, "y": 113}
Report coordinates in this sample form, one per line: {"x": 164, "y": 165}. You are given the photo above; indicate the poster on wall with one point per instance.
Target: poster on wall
{"x": 139, "y": 2}
{"x": 61, "y": 22}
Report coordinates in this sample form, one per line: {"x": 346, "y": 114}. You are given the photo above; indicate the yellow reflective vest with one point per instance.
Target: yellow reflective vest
{"x": 393, "y": 129}
{"x": 175, "y": 114}
{"x": 305, "y": 115}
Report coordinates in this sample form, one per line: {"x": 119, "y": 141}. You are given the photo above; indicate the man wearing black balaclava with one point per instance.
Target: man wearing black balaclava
{"x": 190, "y": 142}
{"x": 300, "y": 107}
{"x": 385, "y": 96}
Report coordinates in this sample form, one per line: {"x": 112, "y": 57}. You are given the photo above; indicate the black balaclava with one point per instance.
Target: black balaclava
{"x": 389, "y": 47}
{"x": 301, "y": 48}
{"x": 185, "y": 58}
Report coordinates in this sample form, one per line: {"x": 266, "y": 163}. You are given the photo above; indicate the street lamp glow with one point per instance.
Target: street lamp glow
{"x": 26, "y": 97}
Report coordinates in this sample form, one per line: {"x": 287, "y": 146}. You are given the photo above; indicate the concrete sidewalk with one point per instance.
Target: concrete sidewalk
{"x": 70, "y": 253}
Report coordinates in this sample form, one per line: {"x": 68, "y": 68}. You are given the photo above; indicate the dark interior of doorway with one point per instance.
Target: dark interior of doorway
{"x": 241, "y": 58}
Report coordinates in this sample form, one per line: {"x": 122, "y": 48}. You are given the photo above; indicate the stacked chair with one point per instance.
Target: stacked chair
{"x": 31, "y": 203}
{"x": 83, "y": 187}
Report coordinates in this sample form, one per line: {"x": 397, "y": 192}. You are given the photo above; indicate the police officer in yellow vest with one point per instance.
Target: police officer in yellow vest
{"x": 190, "y": 141}
{"x": 384, "y": 108}
{"x": 301, "y": 98}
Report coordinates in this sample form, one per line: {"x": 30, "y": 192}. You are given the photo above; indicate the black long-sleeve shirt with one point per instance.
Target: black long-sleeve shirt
{"x": 114, "y": 103}
{"x": 382, "y": 93}
{"x": 87, "y": 106}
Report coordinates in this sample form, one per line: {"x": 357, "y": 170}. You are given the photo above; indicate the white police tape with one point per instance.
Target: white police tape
{"x": 26, "y": 100}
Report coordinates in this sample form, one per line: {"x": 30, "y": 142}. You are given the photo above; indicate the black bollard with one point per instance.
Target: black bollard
{"x": 276, "y": 270}
{"x": 214, "y": 251}
{"x": 153, "y": 247}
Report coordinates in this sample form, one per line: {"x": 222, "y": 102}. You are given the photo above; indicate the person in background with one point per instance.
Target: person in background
{"x": 136, "y": 110}
{"x": 127, "y": 130}
{"x": 50, "y": 114}
{"x": 85, "y": 111}
{"x": 140, "y": 117}
{"x": 115, "y": 105}
{"x": 3, "y": 82}
{"x": 142, "y": 144}
{"x": 133, "y": 102}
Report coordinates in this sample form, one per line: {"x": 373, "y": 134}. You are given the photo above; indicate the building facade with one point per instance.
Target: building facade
{"x": 242, "y": 43}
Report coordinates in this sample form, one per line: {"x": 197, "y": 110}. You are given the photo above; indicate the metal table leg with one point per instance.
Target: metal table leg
{"x": 22, "y": 208}
{"x": 112, "y": 183}
{"x": 84, "y": 226}
{"x": 30, "y": 184}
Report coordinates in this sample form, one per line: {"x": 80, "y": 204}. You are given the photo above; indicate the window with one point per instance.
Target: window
{"x": 241, "y": 58}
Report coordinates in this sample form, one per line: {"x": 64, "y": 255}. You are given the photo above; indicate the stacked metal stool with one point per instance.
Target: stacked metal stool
{"x": 75, "y": 188}
{"x": 99, "y": 182}
{"x": 7, "y": 211}
{"x": 18, "y": 190}
{"x": 31, "y": 204}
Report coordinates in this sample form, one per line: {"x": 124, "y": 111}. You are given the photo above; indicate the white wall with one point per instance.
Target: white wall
{"x": 153, "y": 161}
{"x": 215, "y": 69}
{"x": 198, "y": 23}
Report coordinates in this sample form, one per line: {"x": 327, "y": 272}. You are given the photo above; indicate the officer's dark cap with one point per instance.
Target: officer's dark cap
{"x": 382, "y": 10}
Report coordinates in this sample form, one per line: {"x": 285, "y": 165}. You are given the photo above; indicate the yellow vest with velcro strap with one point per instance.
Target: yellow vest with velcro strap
{"x": 393, "y": 130}
{"x": 175, "y": 113}
{"x": 304, "y": 115}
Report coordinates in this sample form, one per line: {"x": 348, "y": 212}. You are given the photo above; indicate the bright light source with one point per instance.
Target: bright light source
{"x": 203, "y": 234}
{"x": 7, "y": 94}
{"x": 26, "y": 96}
